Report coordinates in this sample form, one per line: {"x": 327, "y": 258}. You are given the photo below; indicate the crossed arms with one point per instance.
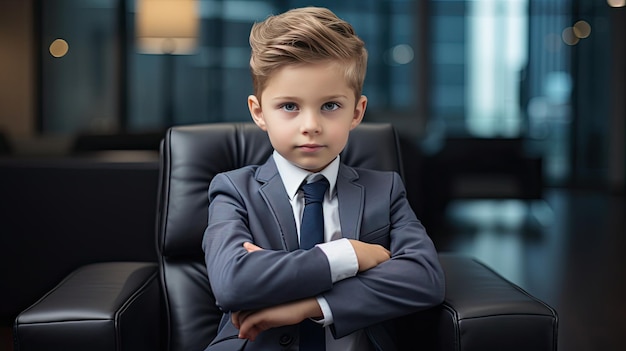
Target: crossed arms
{"x": 251, "y": 322}
{"x": 265, "y": 286}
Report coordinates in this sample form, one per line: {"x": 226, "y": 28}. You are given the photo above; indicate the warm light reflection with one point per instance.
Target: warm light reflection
{"x": 569, "y": 37}
{"x": 616, "y": 3}
{"x": 582, "y": 29}
{"x": 59, "y": 48}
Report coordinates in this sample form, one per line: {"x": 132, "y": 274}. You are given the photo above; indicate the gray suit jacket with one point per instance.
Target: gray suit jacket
{"x": 251, "y": 204}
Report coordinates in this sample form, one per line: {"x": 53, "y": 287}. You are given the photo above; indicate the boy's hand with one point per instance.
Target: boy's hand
{"x": 369, "y": 255}
{"x": 251, "y": 323}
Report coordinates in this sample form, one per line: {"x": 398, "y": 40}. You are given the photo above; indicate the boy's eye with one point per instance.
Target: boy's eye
{"x": 289, "y": 107}
{"x": 330, "y": 106}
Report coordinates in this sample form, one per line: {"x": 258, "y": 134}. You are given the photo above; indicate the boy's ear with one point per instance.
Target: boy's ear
{"x": 254, "y": 105}
{"x": 359, "y": 111}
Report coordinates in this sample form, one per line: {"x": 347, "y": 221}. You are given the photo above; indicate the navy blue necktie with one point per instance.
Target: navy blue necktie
{"x": 312, "y": 337}
{"x": 312, "y": 225}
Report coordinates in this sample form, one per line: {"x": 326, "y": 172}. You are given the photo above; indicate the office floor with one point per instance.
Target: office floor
{"x": 568, "y": 250}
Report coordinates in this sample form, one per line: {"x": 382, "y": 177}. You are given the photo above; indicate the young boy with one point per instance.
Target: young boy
{"x": 376, "y": 261}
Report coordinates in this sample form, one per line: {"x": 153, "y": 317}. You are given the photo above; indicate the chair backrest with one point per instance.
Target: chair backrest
{"x": 190, "y": 157}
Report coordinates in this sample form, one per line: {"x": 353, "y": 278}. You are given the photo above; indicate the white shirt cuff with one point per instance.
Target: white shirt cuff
{"x": 328, "y": 315}
{"x": 342, "y": 259}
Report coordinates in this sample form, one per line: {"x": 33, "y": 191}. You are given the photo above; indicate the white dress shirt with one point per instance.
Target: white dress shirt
{"x": 341, "y": 256}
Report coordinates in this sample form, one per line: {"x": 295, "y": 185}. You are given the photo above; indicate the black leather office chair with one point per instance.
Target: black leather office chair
{"x": 169, "y": 305}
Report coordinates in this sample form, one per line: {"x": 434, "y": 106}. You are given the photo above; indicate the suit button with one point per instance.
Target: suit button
{"x": 285, "y": 340}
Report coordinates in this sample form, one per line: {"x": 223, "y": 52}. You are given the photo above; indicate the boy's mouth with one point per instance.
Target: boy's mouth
{"x": 310, "y": 147}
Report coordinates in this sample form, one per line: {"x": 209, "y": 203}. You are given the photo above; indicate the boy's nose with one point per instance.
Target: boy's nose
{"x": 311, "y": 122}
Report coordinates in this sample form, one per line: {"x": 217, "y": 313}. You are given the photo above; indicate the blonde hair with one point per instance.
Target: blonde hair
{"x": 306, "y": 36}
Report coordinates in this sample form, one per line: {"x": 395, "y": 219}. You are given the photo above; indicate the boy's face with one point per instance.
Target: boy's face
{"x": 308, "y": 112}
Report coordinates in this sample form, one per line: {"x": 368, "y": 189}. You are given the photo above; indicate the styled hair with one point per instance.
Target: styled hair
{"x": 307, "y": 35}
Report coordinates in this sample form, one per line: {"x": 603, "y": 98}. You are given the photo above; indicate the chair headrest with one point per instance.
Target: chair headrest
{"x": 192, "y": 155}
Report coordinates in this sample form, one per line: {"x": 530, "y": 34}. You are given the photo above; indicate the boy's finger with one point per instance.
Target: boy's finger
{"x": 250, "y": 247}
{"x": 249, "y": 334}
{"x": 238, "y": 318}
{"x": 252, "y": 327}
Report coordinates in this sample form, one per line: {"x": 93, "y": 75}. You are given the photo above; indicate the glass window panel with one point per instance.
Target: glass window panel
{"x": 79, "y": 66}
{"x": 213, "y": 84}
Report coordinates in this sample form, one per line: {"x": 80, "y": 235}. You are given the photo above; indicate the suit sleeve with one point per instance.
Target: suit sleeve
{"x": 241, "y": 280}
{"x": 410, "y": 281}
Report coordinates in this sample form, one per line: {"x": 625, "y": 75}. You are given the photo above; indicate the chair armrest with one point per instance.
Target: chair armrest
{"x": 104, "y": 306}
{"x": 482, "y": 311}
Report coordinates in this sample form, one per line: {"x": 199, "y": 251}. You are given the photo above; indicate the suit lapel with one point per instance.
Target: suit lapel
{"x": 351, "y": 198}
{"x": 276, "y": 199}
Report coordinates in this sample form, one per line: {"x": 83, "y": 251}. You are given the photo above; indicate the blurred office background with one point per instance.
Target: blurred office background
{"x": 512, "y": 113}
{"x": 547, "y": 71}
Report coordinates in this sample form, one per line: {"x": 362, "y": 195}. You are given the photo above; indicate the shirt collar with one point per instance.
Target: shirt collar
{"x": 293, "y": 176}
